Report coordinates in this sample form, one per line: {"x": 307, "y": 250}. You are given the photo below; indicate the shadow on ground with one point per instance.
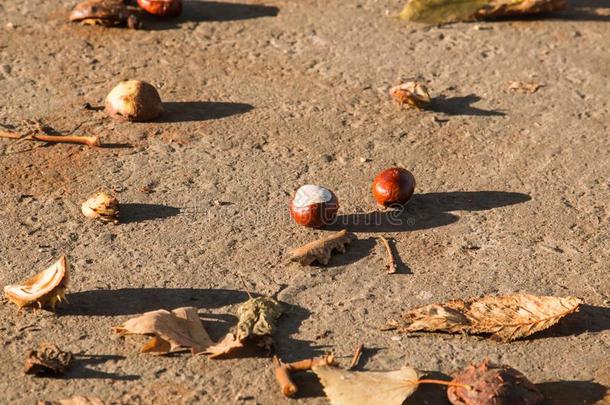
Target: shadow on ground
{"x": 137, "y": 212}
{"x": 461, "y": 106}
{"x": 572, "y": 392}
{"x": 185, "y": 111}
{"x": 80, "y": 369}
{"x": 200, "y": 11}
{"x": 588, "y": 319}
{"x": 426, "y": 211}
{"x": 132, "y": 301}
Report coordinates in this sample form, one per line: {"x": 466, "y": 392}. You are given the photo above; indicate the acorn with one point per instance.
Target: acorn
{"x": 134, "y": 100}
{"x": 162, "y": 8}
{"x": 394, "y": 186}
{"x": 314, "y": 206}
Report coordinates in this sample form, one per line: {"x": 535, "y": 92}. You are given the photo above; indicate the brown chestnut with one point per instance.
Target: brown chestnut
{"x": 313, "y": 206}
{"x": 162, "y": 8}
{"x": 393, "y": 186}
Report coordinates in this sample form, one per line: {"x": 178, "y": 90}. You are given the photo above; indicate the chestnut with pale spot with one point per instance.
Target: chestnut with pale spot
{"x": 314, "y": 206}
{"x": 394, "y": 186}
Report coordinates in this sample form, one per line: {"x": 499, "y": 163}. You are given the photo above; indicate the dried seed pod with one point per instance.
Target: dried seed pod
{"x": 48, "y": 358}
{"x": 134, "y": 100}
{"x": 45, "y": 289}
{"x": 488, "y": 384}
{"x": 162, "y": 8}
{"x": 411, "y": 93}
{"x": 103, "y": 206}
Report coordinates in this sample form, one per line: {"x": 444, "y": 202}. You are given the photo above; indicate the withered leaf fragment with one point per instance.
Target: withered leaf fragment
{"x": 488, "y": 384}
{"x": 256, "y": 324}
{"x": 103, "y": 206}
{"x": 171, "y": 331}
{"x": 524, "y": 87}
{"x": 412, "y": 94}
{"x": 108, "y": 13}
{"x": 343, "y": 387}
{"x": 44, "y": 290}
{"x": 506, "y": 318}
{"x": 321, "y": 249}
{"x": 47, "y": 359}
{"x": 446, "y": 11}
{"x": 77, "y": 400}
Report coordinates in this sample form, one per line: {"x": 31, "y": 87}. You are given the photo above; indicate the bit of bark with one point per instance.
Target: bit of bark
{"x": 506, "y": 318}
{"x": 91, "y": 141}
{"x": 356, "y": 358}
{"x": 47, "y": 359}
{"x": 282, "y": 374}
{"x": 524, "y": 87}
{"x": 321, "y": 249}
{"x": 308, "y": 364}
{"x": 392, "y": 269}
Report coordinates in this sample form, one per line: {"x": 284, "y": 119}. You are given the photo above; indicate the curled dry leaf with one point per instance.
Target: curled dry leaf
{"x": 488, "y": 384}
{"x": 321, "y": 249}
{"x": 47, "y": 359}
{"x": 446, "y": 11}
{"x": 171, "y": 331}
{"x": 256, "y": 324}
{"x": 413, "y": 94}
{"x": 103, "y": 206}
{"x": 344, "y": 387}
{"x": 45, "y": 289}
{"x": 506, "y": 318}
{"x": 77, "y": 400}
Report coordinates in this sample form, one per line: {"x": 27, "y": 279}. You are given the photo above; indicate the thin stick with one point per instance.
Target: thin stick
{"x": 245, "y": 285}
{"x": 441, "y": 382}
{"x": 91, "y": 141}
{"x": 391, "y": 259}
{"x": 308, "y": 364}
{"x": 282, "y": 376}
{"x": 356, "y": 358}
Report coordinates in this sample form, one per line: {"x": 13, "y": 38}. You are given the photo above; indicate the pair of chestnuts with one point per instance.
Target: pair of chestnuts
{"x": 316, "y": 206}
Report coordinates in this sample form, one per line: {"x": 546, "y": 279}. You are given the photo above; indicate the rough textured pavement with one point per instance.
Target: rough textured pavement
{"x": 513, "y": 189}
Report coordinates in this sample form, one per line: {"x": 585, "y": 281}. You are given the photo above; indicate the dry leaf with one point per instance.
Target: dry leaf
{"x": 256, "y": 324}
{"x": 77, "y": 400}
{"x": 321, "y": 249}
{"x": 103, "y": 206}
{"x": 445, "y": 11}
{"x": 45, "y": 289}
{"x": 412, "y": 94}
{"x": 344, "y": 387}
{"x": 47, "y": 359}
{"x": 171, "y": 331}
{"x": 524, "y": 87}
{"x": 488, "y": 384}
{"x": 506, "y": 317}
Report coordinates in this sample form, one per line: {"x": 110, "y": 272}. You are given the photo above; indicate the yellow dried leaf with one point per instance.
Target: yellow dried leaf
{"x": 343, "y": 387}
{"x": 506, "y": 318}
{"x": 171, "y": 331}
{"x": 228, "y": 344}
{"x": 45, "y": 289}
{"x": 321, "y": 249}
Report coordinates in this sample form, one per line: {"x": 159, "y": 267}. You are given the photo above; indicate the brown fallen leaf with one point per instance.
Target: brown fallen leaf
{"x": 47, "y": 359}
{"x": 103, "y": 206}
{"x": 488, "y": 384}
{"x": 392, "y": 268}
{"x": 506, "y": 318}
{"x": 446, "y": 11}
{"x": 321, "y": 249}
{"x": 256, "y": 324}
{"x": 524, "y": 87}
{"x": 343, "y": 387}
{"x": 413, "y": 94}
{"x": 77, "y": 400}
{"x": 45, "y": 289}
{"x": 171, "y": 331}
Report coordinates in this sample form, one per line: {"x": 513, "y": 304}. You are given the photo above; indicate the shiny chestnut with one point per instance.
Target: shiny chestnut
{"x": 162, "y": 8}
{"x": 393, "y": 186}
{"x": 314, "y": 206}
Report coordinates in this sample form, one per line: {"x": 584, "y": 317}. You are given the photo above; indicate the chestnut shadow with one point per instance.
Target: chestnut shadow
{"x": 219, "y": 11}
{"x": 577, "y": 10}
{"x": 426, "y": 211}
{"x": 461, "y": 106}
{"x": 138, "y": 212}
{"x": 571, "y": 392}
{"x": 79, "y": 369}
{"x": 588, "y": 319}
{"x": 135, "y": 301}
{"x": 188, "y": 111}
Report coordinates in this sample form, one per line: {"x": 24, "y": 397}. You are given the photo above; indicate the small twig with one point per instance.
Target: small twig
{"x": 356, "y": 358}
{"x": 391, "y": 259}
{"x": 447, "y": 383}
{"x": 282, "y": 375}
{"x": 91, "y": 141}
{"x": 308, "y": 364}
{"x": 243, "y": 281}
